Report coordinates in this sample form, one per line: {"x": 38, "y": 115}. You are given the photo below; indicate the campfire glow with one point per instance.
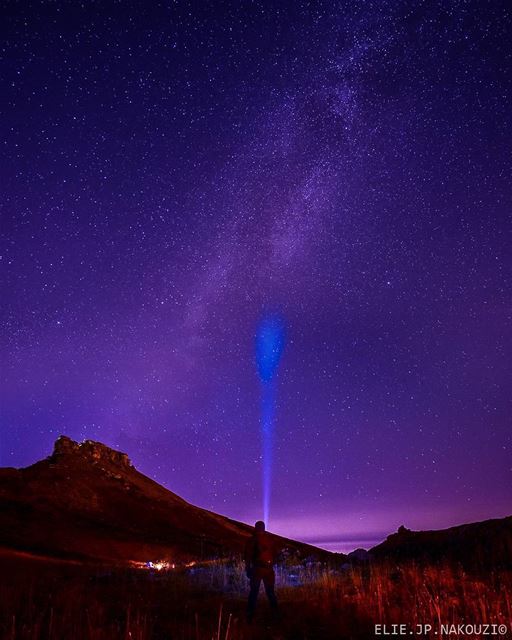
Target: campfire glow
{"x": 159, "y": 566}
{"x": 154, "y": 565}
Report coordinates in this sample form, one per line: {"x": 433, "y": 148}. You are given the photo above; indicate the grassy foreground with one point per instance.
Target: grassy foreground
{"x": 205, "y": 602}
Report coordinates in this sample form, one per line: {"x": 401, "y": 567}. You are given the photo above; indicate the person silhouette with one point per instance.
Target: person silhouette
{"x": 260, "y": 556}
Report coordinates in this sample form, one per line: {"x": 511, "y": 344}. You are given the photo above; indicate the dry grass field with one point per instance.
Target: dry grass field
{"x": 41, "y": 601}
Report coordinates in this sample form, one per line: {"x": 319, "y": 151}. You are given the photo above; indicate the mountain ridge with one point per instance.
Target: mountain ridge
{"x": 475, "y": 544}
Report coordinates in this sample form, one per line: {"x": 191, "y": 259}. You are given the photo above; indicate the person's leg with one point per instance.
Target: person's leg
{"x": 253, "y": 595}
{"x": 269, "y": 581}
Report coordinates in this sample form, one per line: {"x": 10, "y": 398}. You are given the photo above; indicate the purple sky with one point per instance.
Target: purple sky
{"x": 173, "y": 171}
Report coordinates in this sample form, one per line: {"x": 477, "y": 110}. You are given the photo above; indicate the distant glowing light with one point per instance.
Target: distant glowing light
{"x": 159, "y": 565}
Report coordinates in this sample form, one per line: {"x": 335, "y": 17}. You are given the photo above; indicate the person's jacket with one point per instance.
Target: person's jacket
{"x": 260, "y": 551}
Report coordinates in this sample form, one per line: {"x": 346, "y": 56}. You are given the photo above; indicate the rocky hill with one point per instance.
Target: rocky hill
{"x": 87, "y": 501}
{"x": 480, "y": 545}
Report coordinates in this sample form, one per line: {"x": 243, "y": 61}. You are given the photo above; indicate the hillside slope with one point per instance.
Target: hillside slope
{"x": 479, "y": 544}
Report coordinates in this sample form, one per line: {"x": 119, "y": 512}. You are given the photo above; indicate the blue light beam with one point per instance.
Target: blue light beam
{"x": 270, "y": 341}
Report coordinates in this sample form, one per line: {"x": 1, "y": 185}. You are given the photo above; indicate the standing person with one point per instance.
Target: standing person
{"x": 260, "y": 556}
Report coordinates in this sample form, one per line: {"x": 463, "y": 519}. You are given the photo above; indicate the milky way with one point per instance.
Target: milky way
{"x": 172, "y": 171}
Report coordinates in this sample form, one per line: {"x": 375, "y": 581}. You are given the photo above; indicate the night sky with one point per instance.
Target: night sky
{"x": 174, "y": 173}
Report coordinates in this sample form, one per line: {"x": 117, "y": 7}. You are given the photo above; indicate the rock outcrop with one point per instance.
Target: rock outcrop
{"x": 94, "y": 452}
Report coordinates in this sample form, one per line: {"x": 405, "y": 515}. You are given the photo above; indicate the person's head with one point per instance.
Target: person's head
{"x": 259, "y": 526}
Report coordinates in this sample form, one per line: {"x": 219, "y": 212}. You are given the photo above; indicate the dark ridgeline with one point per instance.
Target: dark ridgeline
{"x": 478, "y": 546}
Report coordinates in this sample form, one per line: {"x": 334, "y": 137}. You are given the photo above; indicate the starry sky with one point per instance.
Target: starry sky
{"x": 173, "y": 172}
